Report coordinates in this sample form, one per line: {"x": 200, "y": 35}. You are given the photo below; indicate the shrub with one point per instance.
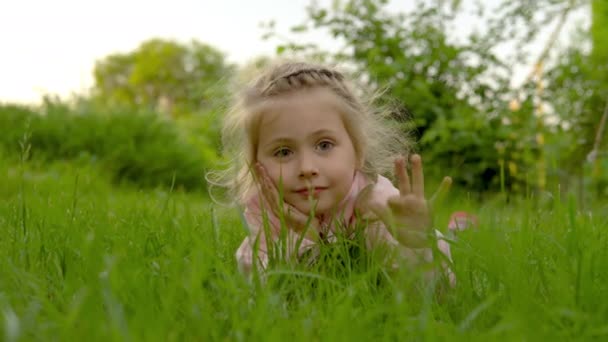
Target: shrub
{"x": 140, "y": 148}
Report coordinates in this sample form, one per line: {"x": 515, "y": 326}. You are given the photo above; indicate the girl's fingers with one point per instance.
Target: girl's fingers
{"x": 268, "y": 189}
{"x": 295, "y": 218}
{"x": 403, "y": 180}
{"x": 271, "y": 194}
{"x": 417, "y": 176}
{"x": 260, "y": 172}
{"x": 443, "y": 189}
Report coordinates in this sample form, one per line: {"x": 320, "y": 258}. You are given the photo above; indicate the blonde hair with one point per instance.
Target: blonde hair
{"x": 377, "y": 141}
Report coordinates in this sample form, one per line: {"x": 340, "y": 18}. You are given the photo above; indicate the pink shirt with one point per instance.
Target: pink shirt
{"x": 363, "y": 198}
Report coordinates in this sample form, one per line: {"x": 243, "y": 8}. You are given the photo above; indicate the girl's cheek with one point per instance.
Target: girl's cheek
{"x": 280, "y": 172}
{"x": 274, "y": 173}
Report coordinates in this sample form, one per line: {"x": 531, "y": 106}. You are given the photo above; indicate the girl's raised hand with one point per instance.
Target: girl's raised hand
{"x": 295, "y": 219}
{"x": 411, "y": 212}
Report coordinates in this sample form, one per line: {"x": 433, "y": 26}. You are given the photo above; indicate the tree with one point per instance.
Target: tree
{"x": 453, "y": 93}
{"x": 163, "y": 75}
{"x": 576, "y": 85}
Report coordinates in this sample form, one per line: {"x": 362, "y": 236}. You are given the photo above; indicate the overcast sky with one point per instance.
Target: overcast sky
{"x": 50, "y": 46}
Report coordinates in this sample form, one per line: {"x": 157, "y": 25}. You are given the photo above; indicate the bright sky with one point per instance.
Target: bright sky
{"x": 50, "y": 46}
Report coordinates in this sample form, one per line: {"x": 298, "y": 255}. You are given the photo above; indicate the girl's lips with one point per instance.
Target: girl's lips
{"x": 316, "y": 191}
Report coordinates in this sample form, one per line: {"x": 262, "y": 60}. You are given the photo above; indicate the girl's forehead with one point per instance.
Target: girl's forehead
{"x": 302, "y": 107}
{"x": 313, "y": 98}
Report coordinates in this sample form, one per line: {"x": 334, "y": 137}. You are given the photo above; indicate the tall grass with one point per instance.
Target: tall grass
{"x": 81, "y": 259}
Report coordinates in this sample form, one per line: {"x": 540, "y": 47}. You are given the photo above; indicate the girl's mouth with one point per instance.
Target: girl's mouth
{"x": 308, "y": 192}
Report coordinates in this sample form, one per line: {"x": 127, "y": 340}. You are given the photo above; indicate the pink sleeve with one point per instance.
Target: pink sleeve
{"x": 245, "y": 252}
{"x": 382, "y": 190}
{"x": 372, "y": 201}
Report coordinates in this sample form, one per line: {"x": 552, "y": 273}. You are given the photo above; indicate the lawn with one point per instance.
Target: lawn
{"x": 84, "y": 259}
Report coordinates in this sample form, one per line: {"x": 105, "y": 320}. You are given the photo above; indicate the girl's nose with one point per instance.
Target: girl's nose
{"x": 308, "y": 167}
{"x": 308, "y": 173}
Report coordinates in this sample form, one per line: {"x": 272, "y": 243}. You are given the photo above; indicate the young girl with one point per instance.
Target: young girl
{"x": 308, "y": 162}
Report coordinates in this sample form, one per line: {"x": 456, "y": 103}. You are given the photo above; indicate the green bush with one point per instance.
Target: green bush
{"x": 14, "y": 122}
{"x": 140, "y": 148}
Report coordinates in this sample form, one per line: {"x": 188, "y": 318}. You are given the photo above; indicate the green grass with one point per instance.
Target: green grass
{"x": 81, "y": 259}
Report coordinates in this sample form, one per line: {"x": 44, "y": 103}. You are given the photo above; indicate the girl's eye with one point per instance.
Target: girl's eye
{"x": 325, "y": 145}
{"x": 282, "y": 152}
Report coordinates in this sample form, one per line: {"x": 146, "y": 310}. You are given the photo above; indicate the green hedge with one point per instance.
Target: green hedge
{"x": 142, "y": 149}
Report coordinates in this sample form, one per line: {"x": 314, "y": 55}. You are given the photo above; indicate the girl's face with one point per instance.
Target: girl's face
{"x": 306, "y": 149}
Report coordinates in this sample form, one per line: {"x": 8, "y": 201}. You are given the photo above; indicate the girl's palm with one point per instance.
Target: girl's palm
{"x": 411, "y": 212}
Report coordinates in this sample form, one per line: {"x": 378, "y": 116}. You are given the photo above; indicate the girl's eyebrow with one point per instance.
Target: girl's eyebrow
{"x": 287, "y": 140}
{"x": 323, "y": 131}
{"x": 279, "y": 140}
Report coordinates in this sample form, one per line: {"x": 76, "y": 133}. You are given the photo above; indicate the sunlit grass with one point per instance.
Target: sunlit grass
{"x": 81, "y": 259}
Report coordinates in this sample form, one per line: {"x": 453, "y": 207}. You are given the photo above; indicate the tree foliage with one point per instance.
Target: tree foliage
{"x": 470, "y": 121}
{"x": 452, "y": 92}
{"x": 578, "y": 91}
{"x": 163, "y": 75}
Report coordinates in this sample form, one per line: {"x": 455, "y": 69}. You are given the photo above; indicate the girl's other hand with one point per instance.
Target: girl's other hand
{"x": 411, "y": 212}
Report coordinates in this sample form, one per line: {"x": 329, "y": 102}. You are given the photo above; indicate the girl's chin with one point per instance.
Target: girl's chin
{"x": 321, "y": 206}
{"x": 319, "y": 210}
